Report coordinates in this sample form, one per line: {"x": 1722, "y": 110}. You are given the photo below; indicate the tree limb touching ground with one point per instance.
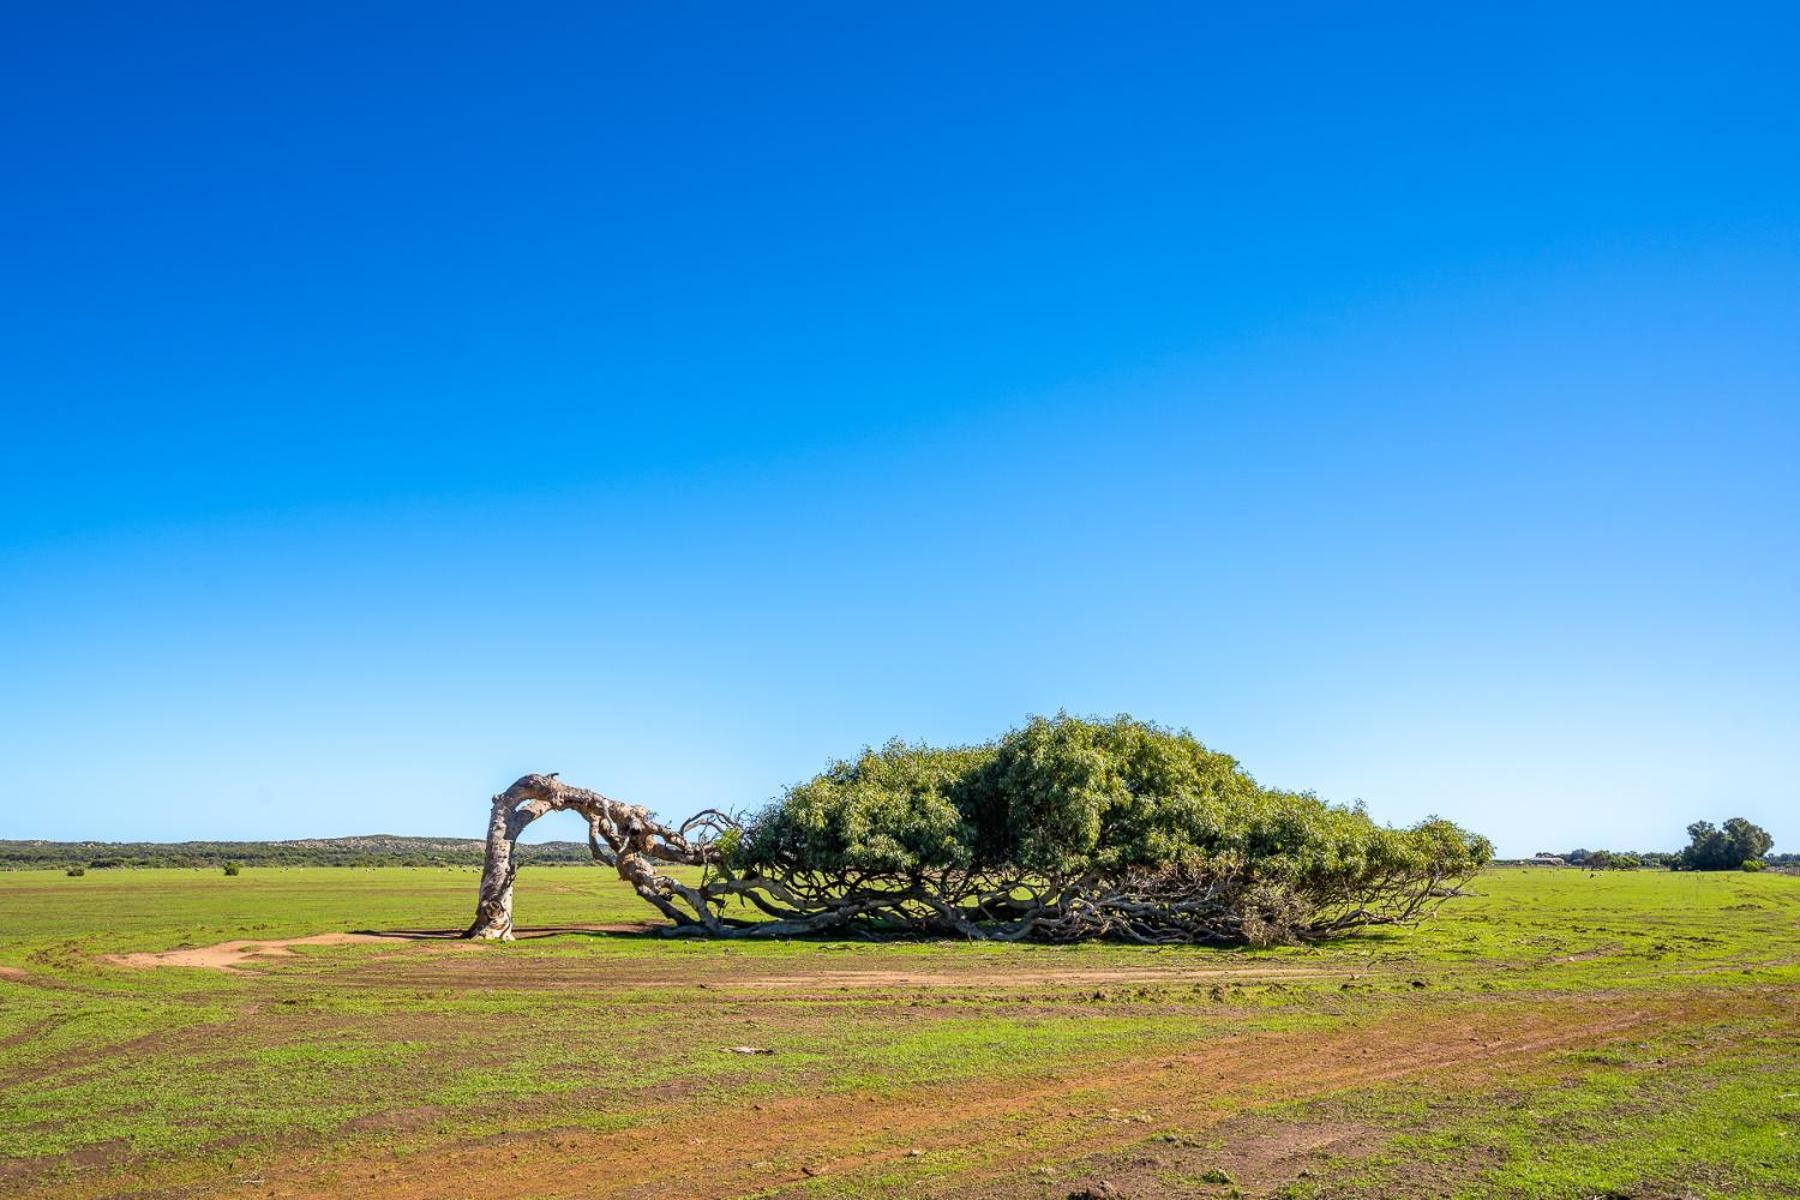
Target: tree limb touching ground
{"x": 1063, "y": 830}
{"x": 625, "y": 836}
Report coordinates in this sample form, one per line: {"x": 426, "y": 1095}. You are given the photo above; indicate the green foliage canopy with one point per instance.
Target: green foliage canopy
{"x": 1084, "y": 814}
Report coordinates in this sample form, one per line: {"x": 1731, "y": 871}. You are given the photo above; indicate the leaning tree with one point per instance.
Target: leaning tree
{"x": 1062, "y": 830}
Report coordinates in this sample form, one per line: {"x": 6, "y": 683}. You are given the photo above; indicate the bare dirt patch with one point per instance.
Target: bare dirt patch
{"x": 1076, "y": 977}
{"x": 801, "y": 980}
{"x": 239, "y": 954}
{"x": 234, "y": 956}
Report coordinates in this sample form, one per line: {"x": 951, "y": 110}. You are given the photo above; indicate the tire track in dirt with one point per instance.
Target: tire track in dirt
{"x": 30, "y": 1033}
{"x": 28, "y": 978}
{"x": 781, "y": 1142}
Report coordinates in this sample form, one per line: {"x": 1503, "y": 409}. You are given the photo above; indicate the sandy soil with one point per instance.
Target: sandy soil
{"x": 233, "y": 956}
{"x": 236, "y": 955}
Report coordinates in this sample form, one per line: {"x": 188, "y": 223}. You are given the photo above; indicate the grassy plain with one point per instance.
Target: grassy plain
{"x": 1556, "y": 1035}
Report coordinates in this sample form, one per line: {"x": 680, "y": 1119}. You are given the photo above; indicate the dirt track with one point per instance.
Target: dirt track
{"x": 243, "y": 954}
{"x": 996, "y": 1130}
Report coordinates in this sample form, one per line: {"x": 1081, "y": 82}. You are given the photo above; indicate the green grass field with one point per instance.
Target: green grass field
{"x": 1555, "y": 1035}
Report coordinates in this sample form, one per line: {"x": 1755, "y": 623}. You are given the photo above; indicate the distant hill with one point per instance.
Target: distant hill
{"x": 374, "y": 850}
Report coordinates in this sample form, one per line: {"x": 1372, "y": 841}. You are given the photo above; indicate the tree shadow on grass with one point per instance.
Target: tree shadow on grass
{"x": 633, "y": 929}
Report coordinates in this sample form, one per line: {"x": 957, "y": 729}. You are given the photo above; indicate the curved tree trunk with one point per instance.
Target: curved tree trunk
{"x": 624, "y": 836}
{"x": 493, "y": 905}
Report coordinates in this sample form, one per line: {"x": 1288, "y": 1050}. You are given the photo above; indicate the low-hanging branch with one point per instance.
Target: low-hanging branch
{"x": 1063, "y": 830}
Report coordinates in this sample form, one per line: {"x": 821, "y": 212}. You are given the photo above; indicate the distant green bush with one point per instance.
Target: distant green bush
{"x": 232, "y": 868}
{"x": 74, "y": 871}
{"x": 1754, "y": 864}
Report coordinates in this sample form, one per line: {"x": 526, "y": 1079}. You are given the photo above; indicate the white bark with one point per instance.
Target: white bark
{"x": 624, "y": 836}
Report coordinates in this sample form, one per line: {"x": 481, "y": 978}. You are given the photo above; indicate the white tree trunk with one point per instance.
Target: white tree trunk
{"x": 493, "y": 907}
{"x": 624, "y": 836}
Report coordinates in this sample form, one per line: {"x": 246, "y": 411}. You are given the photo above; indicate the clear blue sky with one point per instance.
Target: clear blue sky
{"x": 399, "y": 399}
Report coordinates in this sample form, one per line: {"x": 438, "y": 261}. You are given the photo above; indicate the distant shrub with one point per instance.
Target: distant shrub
{"x": 233, "y": 869}
{"x": 74, "y": 871}
{"x": 1754, "y": 864}
{"x": 1611, "y": 860}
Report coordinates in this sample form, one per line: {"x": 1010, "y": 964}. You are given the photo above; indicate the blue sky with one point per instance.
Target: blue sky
{"x": 676, "y": 396}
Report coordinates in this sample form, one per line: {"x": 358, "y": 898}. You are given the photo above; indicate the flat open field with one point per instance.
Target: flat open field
{"x": 1557, "y": 1035}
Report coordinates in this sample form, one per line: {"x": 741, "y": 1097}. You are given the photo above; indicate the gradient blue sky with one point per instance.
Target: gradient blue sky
{"x": 399, "y": 399}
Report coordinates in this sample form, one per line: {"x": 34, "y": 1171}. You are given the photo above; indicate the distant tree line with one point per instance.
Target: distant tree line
{"x": 377, "y": 850}
{"x": 1739, "y": 846}
{"x": 1617, "y": 860}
